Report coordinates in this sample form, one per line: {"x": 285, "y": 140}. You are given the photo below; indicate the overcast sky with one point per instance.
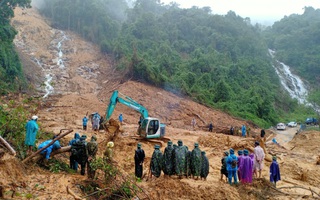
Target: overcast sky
{"x": 258, "y": 10}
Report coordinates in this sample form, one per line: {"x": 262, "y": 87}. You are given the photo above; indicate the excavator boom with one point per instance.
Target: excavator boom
{"x": 149, "y": 128}
{"x": 128, "y": 102}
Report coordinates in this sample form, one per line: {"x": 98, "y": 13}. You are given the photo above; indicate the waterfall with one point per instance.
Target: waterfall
{"x": 292, "y": 83}
{"x": 48, "y": 88}
{"x": 60, "y": 62}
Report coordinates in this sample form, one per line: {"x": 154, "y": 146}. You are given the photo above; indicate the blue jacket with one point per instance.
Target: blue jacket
{"x": 47, "y": 151}
{"x": 76, "y": 138}
{"x": 243, "y": 130}
{"x": 230, "y": 158}
{"x": 120, "y": 118}
{"x": 84, "y": 121}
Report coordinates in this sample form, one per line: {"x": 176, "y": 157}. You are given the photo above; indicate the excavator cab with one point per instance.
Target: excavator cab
{"x": 151, "y": 128}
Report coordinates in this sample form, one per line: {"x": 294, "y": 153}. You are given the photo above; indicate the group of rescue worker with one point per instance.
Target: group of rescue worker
{"x": 175, "y": 160}
{"x": 244, "y": 166}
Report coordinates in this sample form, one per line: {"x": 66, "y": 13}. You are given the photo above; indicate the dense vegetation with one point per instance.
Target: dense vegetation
{"x": 11, "y": 76}
{"x": 296, "y": 39}
{"x": 220, "y": 61}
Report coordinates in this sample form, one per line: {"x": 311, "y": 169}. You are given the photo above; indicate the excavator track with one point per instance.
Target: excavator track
{"x": 160, "y": 141}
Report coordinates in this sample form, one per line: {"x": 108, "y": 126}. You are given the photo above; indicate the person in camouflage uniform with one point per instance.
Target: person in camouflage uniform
{"x": 168, "y": 160}
{"x": 138, "y": 160}
{"x": 79, "y": 153}
{"x": 156, "y": 161}
{"x": 204, "y": 166}
{"x": 92, "y": 149}
{"x": 223, "y": 170}
{"x": 180, "y": 159}
{"x": 196, "y": 161}
{"x": 188, "y": 164}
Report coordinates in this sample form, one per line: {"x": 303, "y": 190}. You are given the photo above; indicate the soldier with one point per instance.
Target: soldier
{"x": 223, "y": 170}
{"x": 156, "y": 161}
{"x": 79, "y": 153}
{"x": 73, "y": 163}
{"x": 188, "y": 164}
{"x": 168, "y": 160}
{"x": 180, "y": 159}
{"x": 138, "y": 160}
{"x": 196, "y": 161}
{"x": 92, "y": 149}
{"x": 204, "y": 166}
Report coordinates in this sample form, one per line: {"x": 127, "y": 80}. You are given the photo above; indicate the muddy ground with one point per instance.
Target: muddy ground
{"x": 85, "y": 84}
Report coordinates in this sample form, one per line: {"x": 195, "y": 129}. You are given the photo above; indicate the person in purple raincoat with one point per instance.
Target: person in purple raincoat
{"x": 274, "y": 171}
{"x": 240, "y": 158}
{"x": 246, "y": 168}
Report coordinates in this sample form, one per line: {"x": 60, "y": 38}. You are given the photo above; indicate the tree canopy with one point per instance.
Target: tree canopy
{"x": 11, "y": 76}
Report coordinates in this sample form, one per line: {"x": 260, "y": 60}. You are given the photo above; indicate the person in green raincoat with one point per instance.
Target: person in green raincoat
{"x": 168, "y": 160}
{"x": 204, "y": 166}
{"x": 196, "y": 161}
{"x": 156, "y": 161}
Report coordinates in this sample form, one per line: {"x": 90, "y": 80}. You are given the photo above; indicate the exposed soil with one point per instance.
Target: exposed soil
{"x": 85, "y": 85}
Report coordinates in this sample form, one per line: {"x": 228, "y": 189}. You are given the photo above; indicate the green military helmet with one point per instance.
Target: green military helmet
{"x": 169, "y": 142}
{"x": 196, "y": 144}
{"x": 139, "y": 145}
{"x": 156, "y": 146}
{"x": 94, "y": 138}
{"x": 274, "y": 158}
{"x": 203, "y": 153}
{"x": 83, "y": 137}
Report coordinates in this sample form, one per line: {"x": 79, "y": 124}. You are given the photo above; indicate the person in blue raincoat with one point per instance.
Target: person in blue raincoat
{"x": 121, "y": 118}
{"x": 48, "y": 151}
{"x": 84, "y": 122}
{"x": 244, "y": 131}
{"x": 274, "y": 171}
{"x": 73, "y": 162}
{"x": 232, "y": 168}
{"x": 31, "y": 133}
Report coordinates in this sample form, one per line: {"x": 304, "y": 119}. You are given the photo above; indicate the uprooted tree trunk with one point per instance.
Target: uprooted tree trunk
{"x": 7, "y": 145}
{"x": 37, "y": 152}
{"x": 58, "y": 151}
{"x": 76, "y": 197}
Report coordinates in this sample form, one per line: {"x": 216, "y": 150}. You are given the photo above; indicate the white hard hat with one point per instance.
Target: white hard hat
{"x": 34, "y": 117}
{"x": 110, "y": 144}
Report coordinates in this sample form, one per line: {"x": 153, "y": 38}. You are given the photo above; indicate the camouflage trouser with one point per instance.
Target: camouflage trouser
{"x": 90, "y": 171}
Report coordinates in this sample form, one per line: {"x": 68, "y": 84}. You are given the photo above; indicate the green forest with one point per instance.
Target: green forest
{"x": 220, "y": 61}
{"x": 11, "y": 76}
{"x": 296, "y": 39}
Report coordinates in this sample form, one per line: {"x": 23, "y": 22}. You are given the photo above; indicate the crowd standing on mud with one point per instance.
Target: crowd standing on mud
{"x": 176, "y": 159}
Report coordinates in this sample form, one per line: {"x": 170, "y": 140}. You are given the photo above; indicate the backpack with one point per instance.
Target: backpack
{"x": 234, "y": 163}
{"x": 78, "y": 149}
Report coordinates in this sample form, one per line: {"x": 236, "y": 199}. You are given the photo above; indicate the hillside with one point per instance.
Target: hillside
{"x": 85, "y": 83}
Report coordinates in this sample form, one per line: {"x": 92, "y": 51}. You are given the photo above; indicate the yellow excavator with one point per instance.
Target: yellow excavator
{"x": 149, "y": 128}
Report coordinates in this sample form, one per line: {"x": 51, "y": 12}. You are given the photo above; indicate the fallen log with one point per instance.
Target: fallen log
{"x": 76, "y": 197}
{"x": 12, "y": 151}
{"x": 58, "y": 151}
{"x": 298, "y": 186}
{"x": 37, "y": 152}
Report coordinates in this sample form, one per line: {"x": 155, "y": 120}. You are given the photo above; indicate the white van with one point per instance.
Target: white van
{"x": 281, "y": 126}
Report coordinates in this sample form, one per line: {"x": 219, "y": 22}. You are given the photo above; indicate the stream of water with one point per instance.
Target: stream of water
{"x": 292, "y": 83}
{"x": 48, "y": 73}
